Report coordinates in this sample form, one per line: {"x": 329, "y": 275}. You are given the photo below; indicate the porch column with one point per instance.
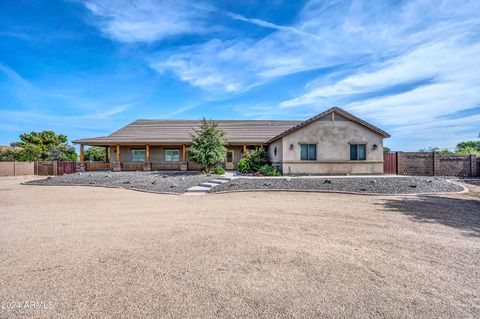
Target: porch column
{"x": 106, "y": 154}
{"x": 82, "y": 153}
{"x": 116, "y": 165}
{"x": 147, "y": 166}
{"x": 244, "y": 148}
{"x": 184, "y": 164}
{"x": 80, "y": 166}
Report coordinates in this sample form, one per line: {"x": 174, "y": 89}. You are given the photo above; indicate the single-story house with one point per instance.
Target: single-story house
{"x": 332, "y": 142}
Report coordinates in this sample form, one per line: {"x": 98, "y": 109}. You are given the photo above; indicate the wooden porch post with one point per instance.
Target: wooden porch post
{"x": 184, "y": 153}
{"x": 244, "y": 148}
{"x": 106, "y": 154}
{"x": 82, "y": 153}
{"x": 118, "y": 152}
{"x": 147, "y": 151}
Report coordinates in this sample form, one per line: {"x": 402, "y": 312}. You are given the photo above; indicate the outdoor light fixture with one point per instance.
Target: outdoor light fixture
{"x": 375, "y": 146}
{"x": 291, "y": 146}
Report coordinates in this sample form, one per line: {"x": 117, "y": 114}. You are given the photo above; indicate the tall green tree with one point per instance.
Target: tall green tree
{"x": 95, "y": 153}
{"x": 208, "y": 145}
{"x": 45, "y": 145}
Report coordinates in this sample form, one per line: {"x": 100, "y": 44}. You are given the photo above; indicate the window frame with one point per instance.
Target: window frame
{"x": 358, "y": 154}
{"x": 310, "y": 154}
{"x": 135, "y": 150}
{"x": 165, "y": 150}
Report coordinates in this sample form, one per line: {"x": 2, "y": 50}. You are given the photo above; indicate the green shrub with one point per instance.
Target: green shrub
{"x": 258, "y": 158}
{"x": 253, "y": 160}
{"x": 243, "y": 165}
{"x": 219, "y": 170}
{"x": 269, "y": 170}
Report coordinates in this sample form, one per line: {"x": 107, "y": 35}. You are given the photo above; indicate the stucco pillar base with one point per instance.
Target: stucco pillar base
{"x": 147, "y": 166}
{"x": 183, "y": 166}
{"x": 80, "y": 167}
{"x": 116, "y": 166}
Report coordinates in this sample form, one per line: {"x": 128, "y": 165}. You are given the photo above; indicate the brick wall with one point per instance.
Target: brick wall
{"x": 430, "y": 164}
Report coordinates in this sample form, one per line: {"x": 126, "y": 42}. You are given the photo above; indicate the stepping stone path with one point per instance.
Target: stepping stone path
{"x": 204, "y": 188}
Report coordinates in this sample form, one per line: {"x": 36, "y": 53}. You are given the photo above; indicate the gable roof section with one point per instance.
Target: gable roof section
{"x": 179, "y": 132}
{"x": 337, "y": 110}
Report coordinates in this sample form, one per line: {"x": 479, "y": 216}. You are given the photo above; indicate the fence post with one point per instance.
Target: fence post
{"x": 55, "y": 172}
{"x": 396, "y": 163}
{"x": 433, "y": 163}
{"x": 473, "y": 165}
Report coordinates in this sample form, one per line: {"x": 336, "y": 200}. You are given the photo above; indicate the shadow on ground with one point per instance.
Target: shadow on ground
{"x": 460, "y": 213}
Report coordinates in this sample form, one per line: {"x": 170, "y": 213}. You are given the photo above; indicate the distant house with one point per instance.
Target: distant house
{"x": 333, "y": 142}
{"x": 10, "y": 148}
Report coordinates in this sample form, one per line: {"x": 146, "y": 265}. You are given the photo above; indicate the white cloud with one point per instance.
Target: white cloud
{"x": 450, "y": 61}
{"x": 325, "y": 35}
{"x": 148, "y": 20}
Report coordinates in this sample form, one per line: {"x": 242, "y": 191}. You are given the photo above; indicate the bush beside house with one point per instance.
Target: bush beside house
{"x": 256, "y": 161}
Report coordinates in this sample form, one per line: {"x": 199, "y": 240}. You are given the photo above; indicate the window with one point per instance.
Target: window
{"x": 308, "y": 152}
{"x": 139, "y": 155}
{"x": 358, "y": 152}
{"x": 275, "y": 151}
{"x": 172, "y": 155}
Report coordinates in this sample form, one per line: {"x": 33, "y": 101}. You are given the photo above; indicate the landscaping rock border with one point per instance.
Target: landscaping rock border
{"x": 359, "y": 185}
{"x": 155, "y": 182}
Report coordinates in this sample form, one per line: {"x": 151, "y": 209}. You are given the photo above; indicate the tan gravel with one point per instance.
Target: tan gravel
{"x": 112, "y": 253}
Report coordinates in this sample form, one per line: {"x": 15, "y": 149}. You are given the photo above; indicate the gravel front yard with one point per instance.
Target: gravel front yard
{"x": 162, "y": 182}
{"x": 374, "y": 185}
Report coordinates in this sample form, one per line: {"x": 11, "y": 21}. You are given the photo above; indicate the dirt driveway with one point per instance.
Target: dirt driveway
{"x": 111, "y": 253}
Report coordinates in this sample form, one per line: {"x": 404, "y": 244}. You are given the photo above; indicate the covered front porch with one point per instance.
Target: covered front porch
{"x": 154, "y": 157}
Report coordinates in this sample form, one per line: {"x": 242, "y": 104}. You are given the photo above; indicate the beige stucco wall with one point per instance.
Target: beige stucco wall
{"x": 275, "y": 159}
{"x": 333, "y": 136}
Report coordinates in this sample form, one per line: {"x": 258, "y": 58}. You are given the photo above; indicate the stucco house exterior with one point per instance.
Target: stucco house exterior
{"x": 333, "y": 142}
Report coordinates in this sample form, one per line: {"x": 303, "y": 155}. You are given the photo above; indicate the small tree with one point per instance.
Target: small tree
{"x": 95, "y": 153}
{"x": 208, "y": 145}
{"x": 63, "y": 152}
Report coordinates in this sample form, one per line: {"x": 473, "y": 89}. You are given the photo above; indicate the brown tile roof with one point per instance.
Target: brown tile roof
{"x": 236, "y": 131}
{"x": 179, "y": 132}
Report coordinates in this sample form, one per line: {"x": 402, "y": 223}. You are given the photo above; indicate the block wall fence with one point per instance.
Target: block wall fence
{"x": 434, "y": 164}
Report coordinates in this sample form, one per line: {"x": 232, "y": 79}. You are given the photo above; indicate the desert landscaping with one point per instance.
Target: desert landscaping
{"x": 116, "y": 253}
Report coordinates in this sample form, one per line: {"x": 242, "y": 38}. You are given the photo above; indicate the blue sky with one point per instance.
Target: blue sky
{"x": 86, "y": 68}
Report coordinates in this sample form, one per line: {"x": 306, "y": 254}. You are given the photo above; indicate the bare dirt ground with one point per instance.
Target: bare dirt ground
{"x": 112, "y": 253}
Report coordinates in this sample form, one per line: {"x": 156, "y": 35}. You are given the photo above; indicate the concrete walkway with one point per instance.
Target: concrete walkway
{"x": 204, "y": 188}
